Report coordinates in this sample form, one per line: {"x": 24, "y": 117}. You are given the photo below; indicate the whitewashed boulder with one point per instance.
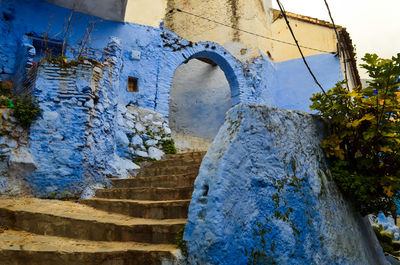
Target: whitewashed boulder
{"x": 264, "y": 196}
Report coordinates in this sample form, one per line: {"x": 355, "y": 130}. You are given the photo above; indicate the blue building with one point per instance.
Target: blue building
{"x": 112, "y": 91}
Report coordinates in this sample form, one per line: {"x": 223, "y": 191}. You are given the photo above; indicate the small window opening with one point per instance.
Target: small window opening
{"x": 133, "y": 84}
{"x": 46, "y": 47}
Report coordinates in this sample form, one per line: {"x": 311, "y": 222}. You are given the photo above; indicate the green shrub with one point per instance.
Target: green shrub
{"x": 168, "y": 146}
{"x": 363, "y": 147}
{"x": 180, "y": 243}
{"x": 6, "y": 102}
{"x": 26, "y": 110}
{"x": 385, "y": 239}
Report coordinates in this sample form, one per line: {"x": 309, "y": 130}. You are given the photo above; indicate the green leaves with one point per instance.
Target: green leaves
{"x": 7, "y": 103}
{"x": 364, "y": 144}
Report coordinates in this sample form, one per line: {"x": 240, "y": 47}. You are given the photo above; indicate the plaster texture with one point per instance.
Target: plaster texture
{"x": 249, "y": 15}
{"x": 106, "y": 9}
{"x": 158, "y": 53}
{"x": 144, "y": 12}
{"x": 310, "y": 32}
{"x": 16, "y": 162}
{"x": 294, "y": 85}
{"x": 264, "y": 196}
{"x": 63, "y": 139}
{"x": 200, "y": 97}
{"x": 85, "y": 133}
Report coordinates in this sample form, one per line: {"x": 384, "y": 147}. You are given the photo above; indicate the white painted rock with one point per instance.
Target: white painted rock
{"x": 136, "y": 141}
{"x": 20, "y": 163}
{"x": 155, "y": 153}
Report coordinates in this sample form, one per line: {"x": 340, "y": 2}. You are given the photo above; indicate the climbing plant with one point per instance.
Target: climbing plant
{"x": 363, "y": 145}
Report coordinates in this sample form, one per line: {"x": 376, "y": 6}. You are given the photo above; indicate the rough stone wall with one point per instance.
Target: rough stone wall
{"x": 8, "y": 50}
{"x": 71, "y": 139}
{"x": 24, "y": 78}
{"x": 81, "y": 106}
{"x": 16, "y": 162}
{"x": 264, "y": 196}
{"x": 142, "y": 132}
{"x": 153, "y": 54}
{"x": 99, "y": 159}
{"x": 83, "y": 135}
{"x": 58, "y": 137}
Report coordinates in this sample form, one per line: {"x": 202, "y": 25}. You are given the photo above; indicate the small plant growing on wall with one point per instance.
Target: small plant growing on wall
{"x": 363, "y": 147}
{"x": 168, "y": 146}
{"x": 6, "y": 102}
{"x": 181, "y": 243}
{"x": 26, "y": 110}
{"x": 81, "y": 48}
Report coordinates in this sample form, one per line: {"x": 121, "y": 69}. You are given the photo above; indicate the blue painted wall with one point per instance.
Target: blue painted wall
{"x": 286, "y": 84}
{"x": 161, "y": 51}
{"x": 294, "y": 85}
{"x": 199, "y": 98}
{"x": 150, "y": 54}
{"x": 36, "y": 16}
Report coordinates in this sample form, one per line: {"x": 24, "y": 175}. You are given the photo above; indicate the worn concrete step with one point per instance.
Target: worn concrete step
{"x": 73, "y": 220}
{"x": 194, "y": 155}
{"x": 142, "y": 209}
{"x": 22, "y": 248}
{"x": 162, "y": 181}
{"x": 175, "y": 162}
{"x": 151, "y": 194}
{"x": 155, "y": 170}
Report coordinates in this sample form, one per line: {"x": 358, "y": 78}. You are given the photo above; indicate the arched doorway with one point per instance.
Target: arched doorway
{"x": 209, "y": 64}
{"x": 200, "y": 95}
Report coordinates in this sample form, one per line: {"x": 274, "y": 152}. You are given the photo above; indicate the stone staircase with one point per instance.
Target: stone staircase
{"x": 134, "y": 223}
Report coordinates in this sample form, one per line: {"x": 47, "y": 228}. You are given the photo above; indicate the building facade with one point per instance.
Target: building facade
{"x": 134, "y": 75}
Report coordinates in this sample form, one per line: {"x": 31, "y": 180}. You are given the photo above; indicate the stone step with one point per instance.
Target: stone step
{"x": 155, "y": 170}
{"x": 142, "y": 209}
{"x": 153, "y": 194}
{"x": 174, "y": 162}
{"x": 194, "y": 155}
{"x": 162, "y": 181}
{"x": 22, "y": 248}
{"x": 73, "y": 220}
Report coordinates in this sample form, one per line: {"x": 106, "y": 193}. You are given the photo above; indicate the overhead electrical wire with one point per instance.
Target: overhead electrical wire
{"x": 298, "y": 46}
{"x": 341, "y": 49}
{"x": 242, "y": 30}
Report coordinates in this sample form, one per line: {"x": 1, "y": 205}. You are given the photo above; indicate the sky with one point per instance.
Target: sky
{"x": 374, "y": 26}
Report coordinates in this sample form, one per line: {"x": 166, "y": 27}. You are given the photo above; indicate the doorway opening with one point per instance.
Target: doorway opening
{"x": 200, "y": 96}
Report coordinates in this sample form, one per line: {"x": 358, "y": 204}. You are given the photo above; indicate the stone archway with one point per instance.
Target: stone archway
{"x": 209, "y": 51}
{"x": 199, "y": 98}
{"x": 198, "y": 93}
